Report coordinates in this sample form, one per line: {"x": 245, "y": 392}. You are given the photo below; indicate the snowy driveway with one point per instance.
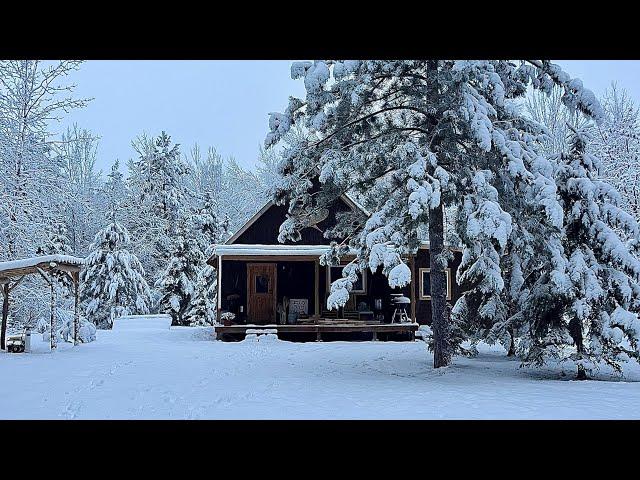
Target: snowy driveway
{"x": 182, "y": 374}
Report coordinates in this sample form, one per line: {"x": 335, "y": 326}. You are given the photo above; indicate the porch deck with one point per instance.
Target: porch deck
{"x": 297, "y": 332}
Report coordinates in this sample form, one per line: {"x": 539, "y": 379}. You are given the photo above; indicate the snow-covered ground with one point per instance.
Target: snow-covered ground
{"x": 182, "y": 374}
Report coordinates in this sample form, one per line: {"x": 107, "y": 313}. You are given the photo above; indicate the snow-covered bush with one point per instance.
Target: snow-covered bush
{"x": 64, "y": 322}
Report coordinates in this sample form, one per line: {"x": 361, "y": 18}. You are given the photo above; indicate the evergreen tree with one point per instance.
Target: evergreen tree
{"x": 176, "y": 284}
{"x": 202, "y": 311}
{"x": 595, "y": 308}
{"x": 158, "y": 199}
{"x": 115, "y": 192}
{"x": 112, "y": 281}
{"x": 206, "y": 226}
{"x": 57, "y": 241}
{"x": 207, "y": 230}
{"x": 416, "y": 137}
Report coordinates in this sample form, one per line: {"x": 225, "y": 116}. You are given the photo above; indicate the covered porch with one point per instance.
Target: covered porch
{"x": 284, "y": 288}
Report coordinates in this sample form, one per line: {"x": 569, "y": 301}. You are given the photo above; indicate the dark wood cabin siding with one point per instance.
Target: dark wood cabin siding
{"x": 234, "y": 282}
{"x": 264, "y": 231}
{"x": 377, "y": 286}
{"x": 295, "y": 279}
{"x": 423, "y": 307}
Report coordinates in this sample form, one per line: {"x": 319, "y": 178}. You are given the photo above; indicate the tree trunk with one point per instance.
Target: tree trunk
{"x": 575, "y": 330}
{"x": 512, "y": 344}
{"x": 439, "y": 318}
{"x": 582, "y": 373}
{"x": 5, "y": 314}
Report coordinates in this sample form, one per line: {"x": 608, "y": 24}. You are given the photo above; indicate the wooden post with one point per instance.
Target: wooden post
{"x": 53, "y": 323}
{"x": 317, "y": 288}
{"x": 219, "y": 290}
{"x": 5, "y": 314}
{"x": 76, "y": 311}
{"x": 412, "y": 285}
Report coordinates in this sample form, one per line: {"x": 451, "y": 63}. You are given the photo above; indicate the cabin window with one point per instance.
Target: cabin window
{"x": 335, "y": 272}
{"x": 425, "y": 283}
{"x": 262, "y": 284}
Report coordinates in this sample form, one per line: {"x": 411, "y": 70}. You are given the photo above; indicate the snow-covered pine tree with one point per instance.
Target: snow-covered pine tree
{"x": 112, "y": 281}
{"x": 115, "y": 193}
{"x": 202, "y": 310}
{"x": 57, "y": 241}
{"x": 596, "y": 311}
{"x": 206, "y": 231}
{"x": 176, "y": 284}
{"x": 158, "y": 198}
{"x": 416, "y": 137}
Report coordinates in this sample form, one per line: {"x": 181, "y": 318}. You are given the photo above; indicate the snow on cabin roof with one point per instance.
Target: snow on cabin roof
{"x": 42, "y": 259}
{"x": 276, "y": 250}
{"x": 250, "y": 250}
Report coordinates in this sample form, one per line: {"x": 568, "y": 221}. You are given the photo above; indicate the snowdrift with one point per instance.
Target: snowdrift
{"x": 142, "y": 322}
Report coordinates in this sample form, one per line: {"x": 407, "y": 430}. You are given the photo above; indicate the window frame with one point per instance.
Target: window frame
{"x": 356, "y": 292}
{"x": 422, "y": 271}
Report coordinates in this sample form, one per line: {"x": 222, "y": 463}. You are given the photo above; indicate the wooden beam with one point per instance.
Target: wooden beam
{"x": 16, "y": 283}
{"x": 70, "y": 276}
{"x": 43, "y": 275}
{"x": 272, "y": 258}
{"x": 66, "y": 268}
{"x": 5, "y": 315}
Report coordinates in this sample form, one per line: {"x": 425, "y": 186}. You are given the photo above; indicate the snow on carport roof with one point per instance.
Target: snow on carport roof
{"x": 19, "y": 266}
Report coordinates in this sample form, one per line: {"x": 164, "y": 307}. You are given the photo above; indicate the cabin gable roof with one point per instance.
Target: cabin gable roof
{"x": 264, "y": 226}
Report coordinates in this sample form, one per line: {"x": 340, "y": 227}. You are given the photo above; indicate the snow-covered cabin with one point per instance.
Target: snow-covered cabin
{"x": 264, "y": 282}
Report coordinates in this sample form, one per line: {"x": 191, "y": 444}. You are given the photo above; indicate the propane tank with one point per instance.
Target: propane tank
{"x": 27, "y": 340}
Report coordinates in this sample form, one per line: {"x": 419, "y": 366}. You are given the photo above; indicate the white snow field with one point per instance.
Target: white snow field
{"x": 153, "y": 372}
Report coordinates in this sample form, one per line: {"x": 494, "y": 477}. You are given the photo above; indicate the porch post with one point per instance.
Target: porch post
{"x": 317, "y": 288}
{"x": 5, "y": 313}
{"x": 413, "y": 284}
{"x": 76, "y": 311}
{"x": 52, "y": 339}
{"x": 219, "y": 290}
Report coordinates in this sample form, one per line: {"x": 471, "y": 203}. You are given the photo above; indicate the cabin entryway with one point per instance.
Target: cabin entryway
{"x": 261, "y": 286}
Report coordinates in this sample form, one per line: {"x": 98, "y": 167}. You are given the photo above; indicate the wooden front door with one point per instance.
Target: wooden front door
{"x": 261, "y": 279}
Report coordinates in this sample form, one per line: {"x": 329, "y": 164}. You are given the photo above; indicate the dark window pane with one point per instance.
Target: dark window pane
{"x": 336, "y": 272}
{"x": 262, "y": 284}
{"x": 426, "y": 284}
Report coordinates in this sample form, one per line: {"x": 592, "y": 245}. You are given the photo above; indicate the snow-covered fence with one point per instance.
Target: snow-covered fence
{"x": 142, "y": 322}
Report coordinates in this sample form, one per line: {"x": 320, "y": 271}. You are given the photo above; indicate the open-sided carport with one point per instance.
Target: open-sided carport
{"x": 13, "y": 272}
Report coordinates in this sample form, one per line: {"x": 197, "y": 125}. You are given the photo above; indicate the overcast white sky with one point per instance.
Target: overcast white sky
{"x": 224, "y": 103}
